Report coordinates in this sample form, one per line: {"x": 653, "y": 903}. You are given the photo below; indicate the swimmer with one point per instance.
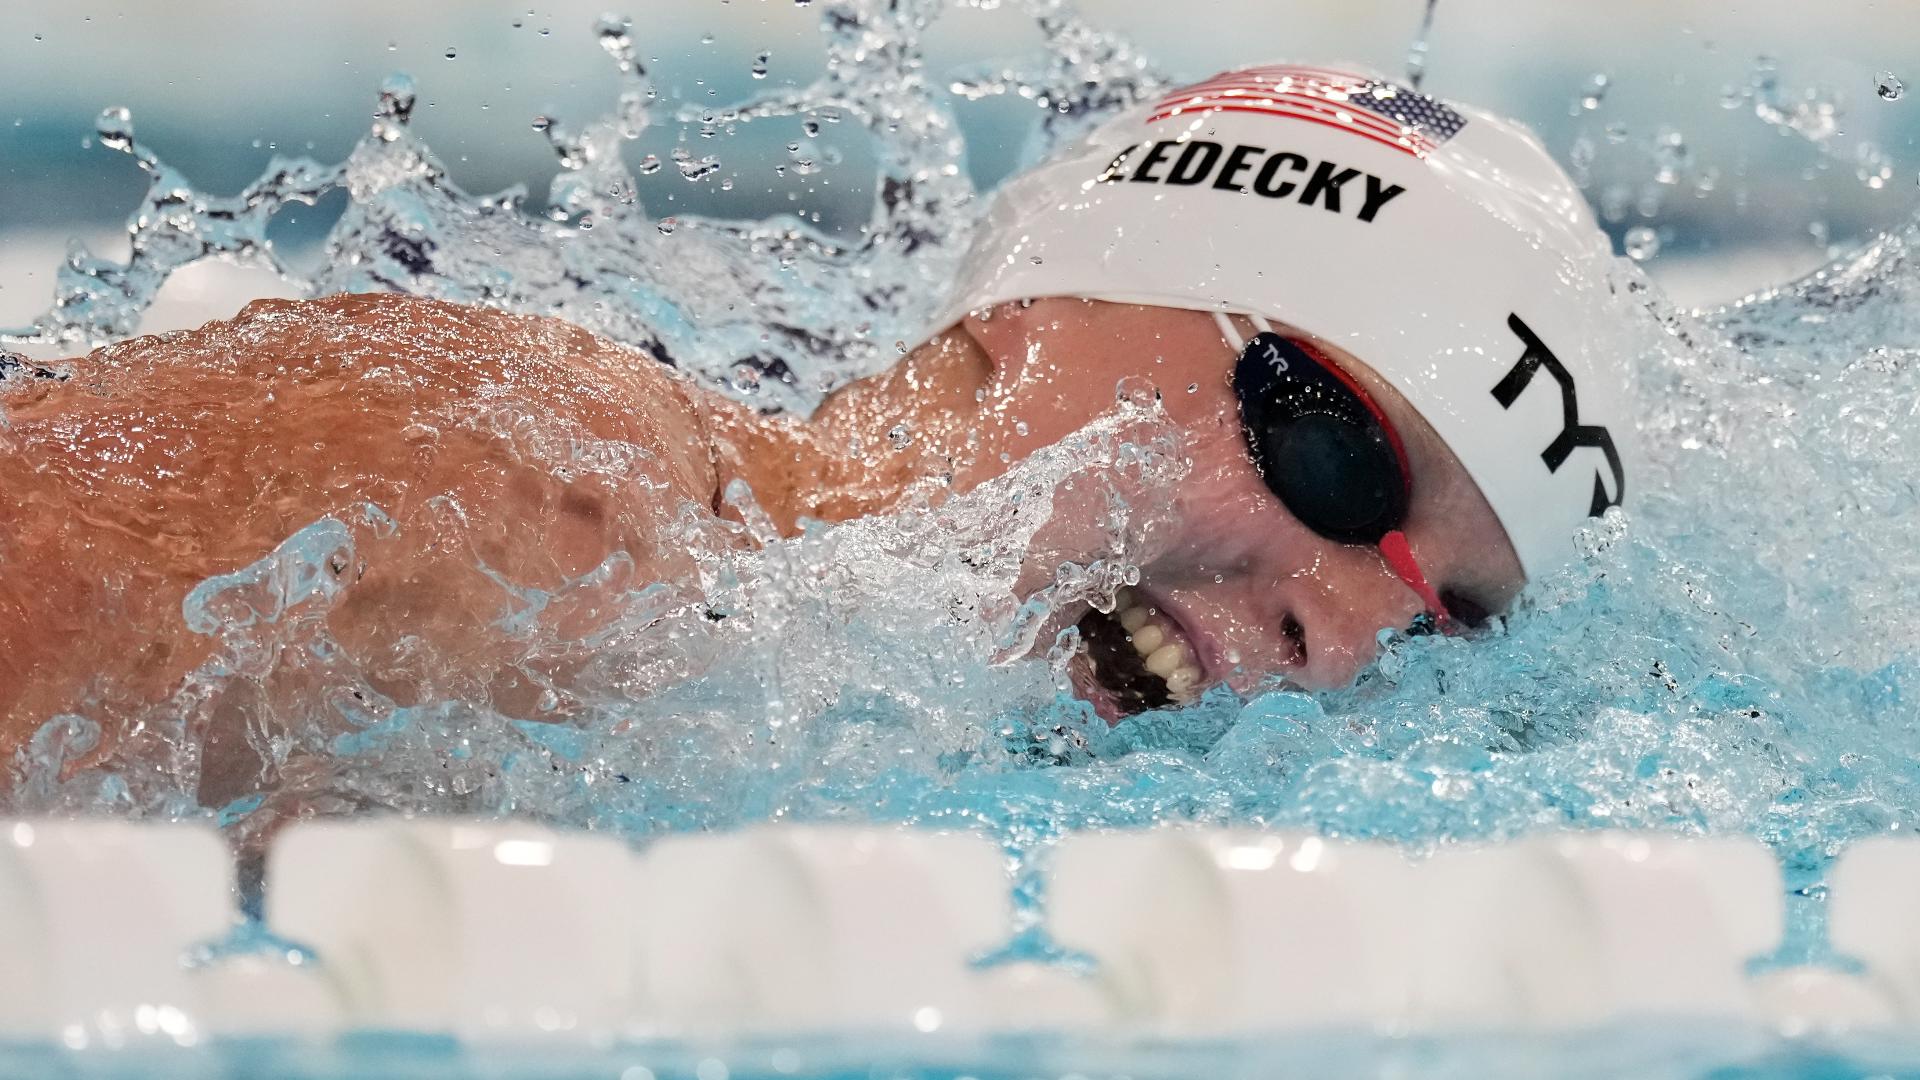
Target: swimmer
{"x": 1374, "y": 317}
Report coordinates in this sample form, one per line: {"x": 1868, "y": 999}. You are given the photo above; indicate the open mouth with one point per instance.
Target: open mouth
{"x": 1137, "y": 658}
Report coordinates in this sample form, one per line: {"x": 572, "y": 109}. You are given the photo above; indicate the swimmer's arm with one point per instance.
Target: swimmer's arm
{"x": 505, "y": 449}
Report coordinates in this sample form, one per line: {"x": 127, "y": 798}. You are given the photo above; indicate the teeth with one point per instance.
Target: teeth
{"x": 1148, "y": 638}
{"x": 1159, "y": 645}
{"x": 1167, "y": 659}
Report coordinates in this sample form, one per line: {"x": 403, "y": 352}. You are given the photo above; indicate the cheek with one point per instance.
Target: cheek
{"x": 1227, "y": 515}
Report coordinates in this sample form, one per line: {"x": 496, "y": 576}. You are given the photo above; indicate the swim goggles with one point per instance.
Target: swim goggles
{"x": 1328, "y": 453}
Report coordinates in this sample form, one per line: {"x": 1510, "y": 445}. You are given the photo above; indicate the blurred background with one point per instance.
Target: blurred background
{"x": 1728, "y": 147}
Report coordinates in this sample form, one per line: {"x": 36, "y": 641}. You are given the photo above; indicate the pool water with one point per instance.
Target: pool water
{"x": 1731, "y": 658}
{"x": 1647, "y": 1051}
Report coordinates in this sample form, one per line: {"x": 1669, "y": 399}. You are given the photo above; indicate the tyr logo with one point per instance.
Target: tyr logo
{"x": 1573, "y": 434}
{"x": 1274, "y": 358}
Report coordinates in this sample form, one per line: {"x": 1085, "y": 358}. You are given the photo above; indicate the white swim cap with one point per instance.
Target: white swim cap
{"x": 1439, "y": 244}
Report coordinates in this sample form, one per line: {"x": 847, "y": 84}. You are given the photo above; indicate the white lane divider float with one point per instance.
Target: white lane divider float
{"x": 1873, "y": 916}
{"x": 97, "y": 922}
{"x": 1207, "y": 932}
{"x": 784, "y": 929}
{"x": 1588, "y": 928}
{"x": 498, "y": 932}
{"x": 482, "y": 930}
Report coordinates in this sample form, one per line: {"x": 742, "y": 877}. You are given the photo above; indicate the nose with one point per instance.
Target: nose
{"x": 1338, "y": 606}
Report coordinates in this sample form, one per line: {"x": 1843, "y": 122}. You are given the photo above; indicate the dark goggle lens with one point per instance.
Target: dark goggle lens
{"x": 1338, "y": 481}
{"x": 1317, "y": 444}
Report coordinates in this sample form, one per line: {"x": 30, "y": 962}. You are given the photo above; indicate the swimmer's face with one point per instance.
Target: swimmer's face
{"x": 1241, "y": 590}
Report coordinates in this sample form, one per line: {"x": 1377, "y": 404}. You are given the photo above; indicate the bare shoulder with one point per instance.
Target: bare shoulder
{"x": 432, "y": 339}
{"x": 377, "y": 353}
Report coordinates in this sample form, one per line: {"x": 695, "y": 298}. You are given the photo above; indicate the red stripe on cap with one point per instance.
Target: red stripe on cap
{"x": 1350, "y": 115}
{"x": 1400, "y": 144}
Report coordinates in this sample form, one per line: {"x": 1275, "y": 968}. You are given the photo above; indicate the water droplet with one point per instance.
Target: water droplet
{"x": 1595, "y": 92}
{"x": 115, "y": 126}
{"x": 649, "y": 165}
{"x": 745, "y": 379}
{"x": 1888, "y": 86}
{"x": 692, "y": 168}
{"x": 1616, "y": 132}
{"x": 900, "y": 436}
{"x": 759, "y": 70}
{"x": 450, "y": 54}
{"x": 706, "y": 38}
{"x": 614, "y": 37}
{"x": 542, "y": 123}
{"x": 666, "y": 225}
{"x": 1671, "y": 156}
{"x": 397, "y": 97}
{"x": 1642, "y": 243}
{"x": 1417, "y": 50}
{"x": 1871, "y": 165}
{"x": 1020, "y": 428}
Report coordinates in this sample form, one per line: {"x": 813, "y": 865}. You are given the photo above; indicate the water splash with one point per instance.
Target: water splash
{"x": 1740, "y": 657}
{"x": 1417, "y": 52}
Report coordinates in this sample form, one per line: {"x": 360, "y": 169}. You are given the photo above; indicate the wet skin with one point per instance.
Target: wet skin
{"x": 1255, "y": 592}
{"x": 170, "y": 459}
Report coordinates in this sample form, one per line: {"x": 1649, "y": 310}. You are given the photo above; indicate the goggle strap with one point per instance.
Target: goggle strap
{"x": 1227, "y": 331}
{"x": 1398, "y": 554}
{"x": 1260, "y": 325}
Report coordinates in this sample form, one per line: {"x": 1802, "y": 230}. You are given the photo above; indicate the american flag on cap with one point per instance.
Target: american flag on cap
{"x": 1372, "y": 108}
